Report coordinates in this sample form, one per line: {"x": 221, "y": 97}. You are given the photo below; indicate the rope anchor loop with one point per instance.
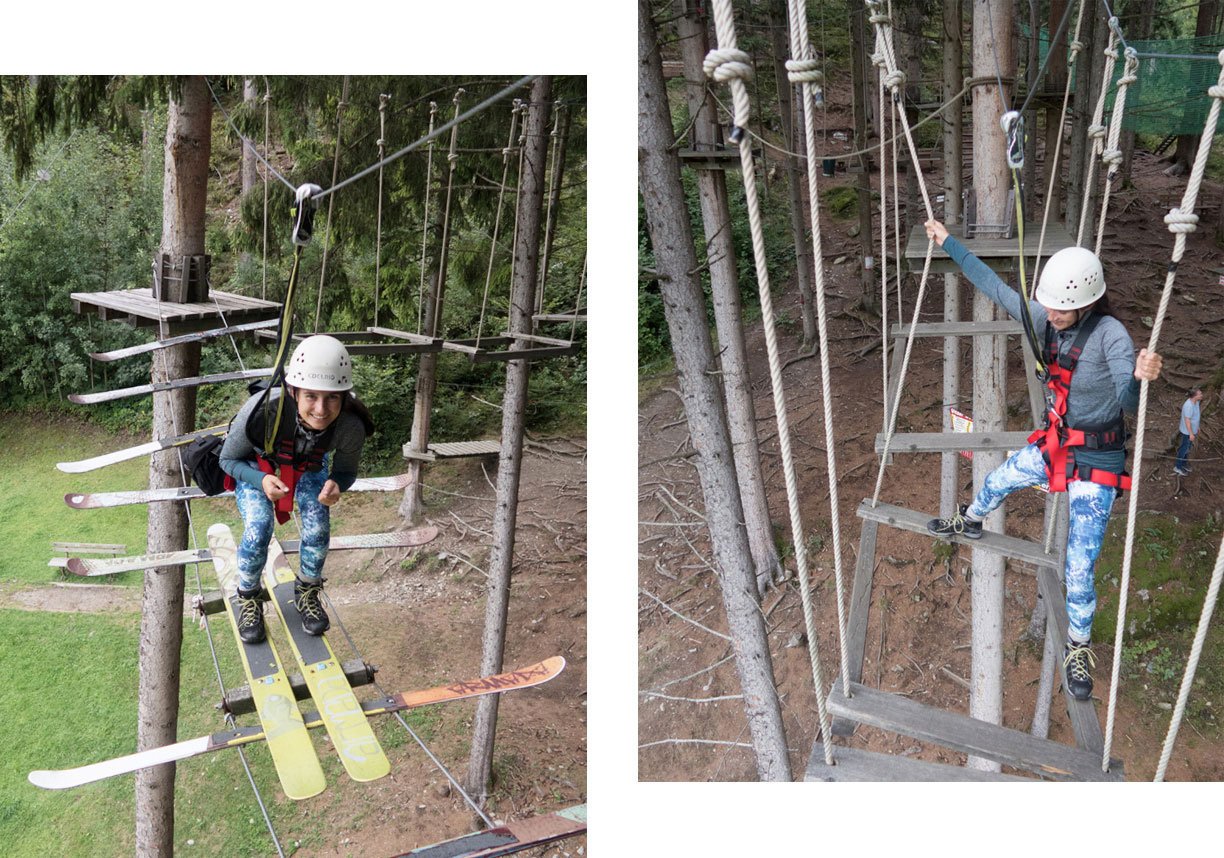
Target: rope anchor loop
{"x": 1013, "y": 127}
{"x": 304, "y": 206}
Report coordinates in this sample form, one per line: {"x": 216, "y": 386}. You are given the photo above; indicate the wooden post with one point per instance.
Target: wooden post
{"x": 992, "y": 55}
{"x": 1056, "y": 82}
{"x": 953, "y": 131}
{"x": 860, "y": 78}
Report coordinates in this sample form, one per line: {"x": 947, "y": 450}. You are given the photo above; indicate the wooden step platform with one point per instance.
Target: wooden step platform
{"x": 952, "y": 442}
{"x": 912, "y": 520}
{"x": 958, "y": 732}
{"x": 454, "y": 450}
{"x": 853, "y": 765}
{"x": 1083, "y": 715}
{"x": 138, "y": 308}
{"x": 959, "y": 329}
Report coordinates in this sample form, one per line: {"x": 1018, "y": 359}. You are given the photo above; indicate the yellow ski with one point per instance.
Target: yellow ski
{"x": 346, "y": 723}
{"x": 297, "y": 765}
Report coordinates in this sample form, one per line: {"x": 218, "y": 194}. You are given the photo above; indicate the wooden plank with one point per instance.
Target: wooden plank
{"x": 531, "y": 338}
{"x": 139, "y": 308}
{"x": 961, "y": 329}
{"x": 1083, "y": 715}
{"x": 89, "y": 547}
{"x": 239, "y": 701}
{"x": 907, "y": 519}
{"x": 465, "y": 448}
{"x": 176, "y": 384}
{"x": 1014, "y": 748}
{"x": 952, "y": 442}
{"x": 405, "y": 335}
{"x": 522, "y": 354}
{"x": 560, "y": 317}
{"x": 856, "y": 623}
{"x": 186, "y": 338}
{"x": 997, "y": 252}
{"x": 853, "y": 765}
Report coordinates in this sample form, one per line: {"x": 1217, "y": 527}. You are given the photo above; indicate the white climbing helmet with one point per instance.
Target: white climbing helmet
{"x": 320, "y": 363}
{"x": 1072, "y": 278}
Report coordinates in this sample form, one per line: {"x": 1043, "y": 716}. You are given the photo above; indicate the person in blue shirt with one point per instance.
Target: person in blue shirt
{"x": 1189, "y": 430}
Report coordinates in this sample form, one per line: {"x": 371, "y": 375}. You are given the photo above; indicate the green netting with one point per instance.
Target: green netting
{"x": 1170, "y": 96}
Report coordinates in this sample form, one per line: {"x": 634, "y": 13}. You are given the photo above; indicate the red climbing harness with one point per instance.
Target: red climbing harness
{"x": 1058, "y": 440}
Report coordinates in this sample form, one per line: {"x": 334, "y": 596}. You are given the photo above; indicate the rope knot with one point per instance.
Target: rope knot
{"x": 878, "y": 59}
{"x": 1216, "y": 91}
{"x": 804, "y": 71}
{"x": 1181, "y": 222}
{"x": 1097, "y": 131}
{"x": 726, "y": 64}
{"x": 895, "y": 80}
{"x": 1077, "y": 46}
{"x": 1112, "y": 157}
{"x": 1111, "y": 52}
{"x": 1220, "y": 57}
{"x": 879, "y": 18}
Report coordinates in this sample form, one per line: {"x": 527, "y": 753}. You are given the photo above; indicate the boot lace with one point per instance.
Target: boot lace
{"x": 1079, "y": 659}
{"x": 249, "y": 610}
{"x": 307, "y": 601}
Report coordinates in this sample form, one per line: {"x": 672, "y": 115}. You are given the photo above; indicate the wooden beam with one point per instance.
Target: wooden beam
{"x": 1009, "y": 747}
{"x": 239, "y": 701}
{"x": 951, "y": 442}
{"x": 1083, "y": 715}
{"x": 907, "y": 519}
{"x": 961, "y": 329}
{"x": 860, "y": 603}
{"x": 852, "y": 765}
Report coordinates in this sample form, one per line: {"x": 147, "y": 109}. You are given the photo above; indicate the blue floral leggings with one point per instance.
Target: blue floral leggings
{"x": 259, "y": 520}
{"x": 1090, "y": 504}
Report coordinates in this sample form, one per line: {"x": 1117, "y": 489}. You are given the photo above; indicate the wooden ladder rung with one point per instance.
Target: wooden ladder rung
{"x": 858, "y": 766}
{"x": 908, "y": 519}
{"x": 965, "y": 329}
{"x": 951, "y": 442}
{"x": 1014, "y": 748}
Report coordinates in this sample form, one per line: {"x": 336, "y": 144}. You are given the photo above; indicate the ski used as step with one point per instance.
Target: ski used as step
{"x": 513, "y": 836}
{"x": 515, "y": 680}
{"x": 293, "y": 753}
{"x": 141, "y": 389}
{"x": 90, "y": 568}
{"x": 346, "y": 724}
{"x": 179, "y": 340}
{"x": 140, "y": 450}
{"x": 103, "y": 499}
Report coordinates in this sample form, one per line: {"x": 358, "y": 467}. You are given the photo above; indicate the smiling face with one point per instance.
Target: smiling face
{"x": 1063, "y": 319}
{"x": 317, "y": 409}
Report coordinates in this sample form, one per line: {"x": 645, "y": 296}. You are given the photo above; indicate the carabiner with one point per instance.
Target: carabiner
{"x": 1013, "y": 128}
{"x": 303, "y": 213}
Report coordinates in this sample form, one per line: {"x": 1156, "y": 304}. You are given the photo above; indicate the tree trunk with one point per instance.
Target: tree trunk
{"x": 992, "y": 43}
{"x": 724, "y": 288}
{"x": 514, "y": 409}
{"x": 1083, "y": 102}
{"x": 250, "y": 166}
{"x": 1147, "y": 10}
{"x": 1031, "y": 63}
{"x": 188, "y": 140}
{"x": 684, "y": 306}
{"x": 860, "y": 78}
{"x": 1056, "y": 77}
{"x": 791, "y": 131}
{"x": 953, "y": 131}
{"x": 411, "y": 507}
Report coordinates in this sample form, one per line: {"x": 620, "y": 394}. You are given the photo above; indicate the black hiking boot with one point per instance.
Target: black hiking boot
{"x": 306, "y": 600}
{"x": 250, "y": 616}
{"x": 1077, "y": 658}
{"x": 957, "y": 525}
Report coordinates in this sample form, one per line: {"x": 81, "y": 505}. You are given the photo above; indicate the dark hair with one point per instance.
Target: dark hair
{"x": 1101, "y": 305}
{"x": 351, "y": 404}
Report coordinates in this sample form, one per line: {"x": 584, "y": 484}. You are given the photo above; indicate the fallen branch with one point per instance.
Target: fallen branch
{"x": 681, "y": 616}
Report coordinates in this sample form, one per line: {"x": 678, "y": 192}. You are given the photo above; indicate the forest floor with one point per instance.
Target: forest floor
{"x": 420, "y": 613}
{"x": 918, "y": 637}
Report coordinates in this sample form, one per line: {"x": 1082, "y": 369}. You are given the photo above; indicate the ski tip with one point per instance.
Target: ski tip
{"x": 218, "y": 528}
{"x": 76, "y": 399}
{"x": 74, "y": 500}
{"x": 69, "y": 467}
{"x": 76, "y": 566}
{"x": 46, "y": 779}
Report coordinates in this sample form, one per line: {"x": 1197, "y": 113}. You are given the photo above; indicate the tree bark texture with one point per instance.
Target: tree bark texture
{"x": 992, "y": 55}
{"x": 250, "y": 168}
{"x": 953, "y": 131}
{"x": 860, "y": 84}
{"x": 188, "y": 141}
{"x": 1143, "y": 30}
{"x": 724, "y": 288}
{"x": 684, "y": 306}
{"x": 514, "y": 409}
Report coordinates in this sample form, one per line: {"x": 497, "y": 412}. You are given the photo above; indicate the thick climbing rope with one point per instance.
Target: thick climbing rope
{"x": 554, "y": 185}
{"x": 433, "y": 110}
{"x": 1096, "y": 130}
{"x": 1112, "y": 155}
{"x": 895, "y": 81}
{"x": 1181, "y": 221}
{"x": 452, "y": 159}
{"x": 383, "y": 98}
{"x": 878, "y": 59}
{"x": 263, "y": 291}
{"x": 728, "y": 64}
{"x": 344, "y": 89}
{"x": 501, "y": 194}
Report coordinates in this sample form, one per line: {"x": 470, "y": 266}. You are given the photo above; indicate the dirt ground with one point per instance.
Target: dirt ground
{"x": 921, "y": 647}
{"x": 429, "y": 611}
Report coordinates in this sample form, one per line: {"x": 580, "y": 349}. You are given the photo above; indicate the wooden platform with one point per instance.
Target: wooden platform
{"x": 491, "y": 349}
{"x": 454, "y": 450}
{"x": 581, "y": 316}
{"x": 898, "y": 714}
{"x": 1001, "y": 254}
{"x": 951, "y": 442}
{"x": 138, "y": 308}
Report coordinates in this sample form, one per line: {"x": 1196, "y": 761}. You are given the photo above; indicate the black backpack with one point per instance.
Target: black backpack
{"x": 203, "y": 461}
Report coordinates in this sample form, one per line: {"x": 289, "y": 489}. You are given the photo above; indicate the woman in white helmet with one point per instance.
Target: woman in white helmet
{"x": 312, "y": 455}
{"x": 1093, "y": 376}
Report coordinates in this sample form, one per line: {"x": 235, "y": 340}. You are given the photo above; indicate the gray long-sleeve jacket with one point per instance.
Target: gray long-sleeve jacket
{"x": 1104, "y": 379}
{"x": 238, "y": 454}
